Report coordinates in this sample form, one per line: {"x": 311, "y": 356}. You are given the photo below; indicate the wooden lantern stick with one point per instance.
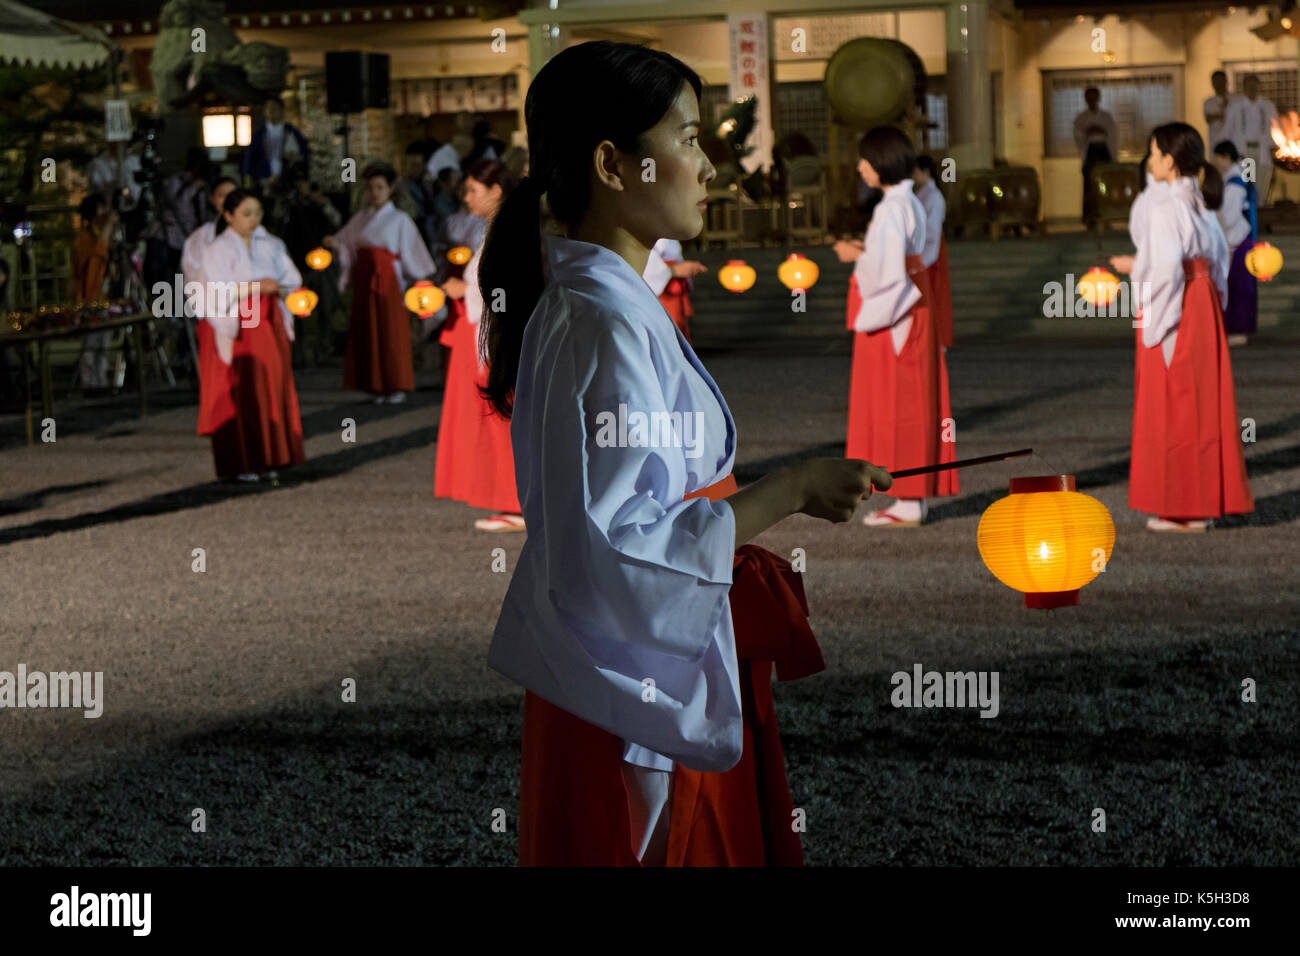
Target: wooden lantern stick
{"x": 964, "y": 463}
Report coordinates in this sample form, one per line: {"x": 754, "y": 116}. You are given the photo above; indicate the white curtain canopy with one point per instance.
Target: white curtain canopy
{"x": 32, "y": 38}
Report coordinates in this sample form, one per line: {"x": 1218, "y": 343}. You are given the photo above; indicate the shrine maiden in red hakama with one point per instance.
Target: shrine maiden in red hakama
{"x": 380, "y": 254}
{"x": 259, "y": 429}
{"x": 645, "y": 639}
{"x": 674, "y": 292}
{"x": 1187, "y": 461}
{"x": 898, "y": 397}
{"x": 216, "y": 386}
{"x": 935, "y": 260}
{"x": 475, "y": 462}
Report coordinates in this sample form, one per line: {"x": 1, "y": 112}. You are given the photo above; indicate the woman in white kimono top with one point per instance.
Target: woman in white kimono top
{"x": 248, "y": 273}
{"x": 1187, "y": 465}
{"x": 899, "y": 411}
{"x": 617, "y": 619}
{"x": 380, "y": 252}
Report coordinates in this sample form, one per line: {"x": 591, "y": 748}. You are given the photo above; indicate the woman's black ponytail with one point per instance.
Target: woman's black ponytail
{"x": 582, "y": 96}
{"x": 1211, "y": 186}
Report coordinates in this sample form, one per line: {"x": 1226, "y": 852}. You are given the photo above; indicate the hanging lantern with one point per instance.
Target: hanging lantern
{"x": 459, "y": 255}
{"x": 798, "y": 273}
{"x": 424, "y": 299}
{"x": 301, "y": 302}
{"x": 1264, "y": 261}
{"x": 1046, "y": 540}
{"x": 1098, "y": 286}
{"x": 735, "y": 276}
{"x": 319, "y": 258}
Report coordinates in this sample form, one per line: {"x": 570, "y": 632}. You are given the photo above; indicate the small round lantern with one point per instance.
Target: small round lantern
{"x": 319, "y": 258}
{"x": 424, "y": 299}
{"x": 459, "y": 255}
{"x": 1046, "y": 540}
{"x": 1098, "y": 286}
{"x": 1264, "y": 261}
{"x": 301, "y": 302}
{"x": 735, "y": 276}
{"x": 798, "y": 273}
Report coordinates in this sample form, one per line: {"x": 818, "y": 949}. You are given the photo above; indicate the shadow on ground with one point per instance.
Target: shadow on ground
{"x": 1187, "y": 774}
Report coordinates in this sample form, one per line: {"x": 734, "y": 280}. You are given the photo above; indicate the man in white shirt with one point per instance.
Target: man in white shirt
{"x": 1097, "y": 138}
{"x": 275, "y": 147}
{"x": 1249, "y": 124}
{"x": 450, "y": 155}
{"x": 1216, "y": 109}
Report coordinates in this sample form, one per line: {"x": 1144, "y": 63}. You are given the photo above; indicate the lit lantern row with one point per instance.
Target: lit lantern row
{"x": 797, "y": 273}
{"x": 1098, "y": 286}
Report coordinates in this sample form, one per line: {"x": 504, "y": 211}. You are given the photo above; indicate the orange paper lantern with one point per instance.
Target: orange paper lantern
{"x": 424, "y": 299}
{"x": 301, "y": 302}
{"x": 735, "y": 276}
{"x": 460, "y": 255}
{"x": 1264, "y": 261}
{"x": 1046, "y": 540}
{"x": 319, "y": 259}
{"x": 1098, "y": 286}
{"x": 798, "y": 273}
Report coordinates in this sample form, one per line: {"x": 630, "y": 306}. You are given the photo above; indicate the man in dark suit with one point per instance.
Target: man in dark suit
{"x": 275, "y": 146}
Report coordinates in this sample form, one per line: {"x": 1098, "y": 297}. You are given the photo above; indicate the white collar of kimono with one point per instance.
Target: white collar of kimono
{"x": 570, "y": 258}
{"x": 258, "y": 233}
{"x": 900, "y": 189}
{"x": 1184, "y": 187}
{"x": 1234, "y": 172}
{"x": 388, "y": 204}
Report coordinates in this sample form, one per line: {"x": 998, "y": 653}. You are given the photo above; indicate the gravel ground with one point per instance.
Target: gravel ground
{"x": 223, "y": 688}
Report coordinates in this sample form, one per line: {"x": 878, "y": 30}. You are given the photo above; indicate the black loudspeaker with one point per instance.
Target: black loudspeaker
{"x": 356, "y": 81}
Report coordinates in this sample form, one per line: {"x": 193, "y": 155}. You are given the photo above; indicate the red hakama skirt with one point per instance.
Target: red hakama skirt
{"x": 898, "y": 403}
{"x": 1187, "y": 460}
{"x": 475, "y": 459}
{"x": 573, "y": 802}
{"x": 941, "y": 295}
{"x": 265, "y": 431}
{"x": 379, "y": 356}
{"x": 216, "y": 384}
{"x": 677, "y": 302}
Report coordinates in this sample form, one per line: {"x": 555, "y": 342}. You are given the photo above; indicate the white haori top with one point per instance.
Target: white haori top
{"x": 932, "y": 201}
{"x": 896, "y": 231}
{"x": 1173, "y": 227}
{"x": 1220, "y": 259}
{"x": 620, "y": 582}
{"x": 227, "y": 259}
{"x": 389, "y": 228}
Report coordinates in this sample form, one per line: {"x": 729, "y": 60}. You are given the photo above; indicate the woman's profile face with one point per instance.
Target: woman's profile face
{"x": 663, "y": 199}
{"x": 1161, "y": 165}
{"x": 868, "y": 174}
{"x": 378, "y": 191}
{"x": 482, "y": 200}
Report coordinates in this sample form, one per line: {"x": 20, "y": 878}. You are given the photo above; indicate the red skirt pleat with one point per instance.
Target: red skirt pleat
{"x": 677, "y": 302}
{"x": 266, "y": 429}
{"x": 573, "y": 801}
{"x": 379, "y": 358}
{"x": 898, "y": 403}
{"x": 216, "y": 399}
{"x": 941, "y": 295}
{"x": 475, "y": 459}
{"x": 1187, "y": 460}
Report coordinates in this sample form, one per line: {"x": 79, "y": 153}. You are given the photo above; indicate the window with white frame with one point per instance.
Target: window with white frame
{"x": 1138, "y": 99}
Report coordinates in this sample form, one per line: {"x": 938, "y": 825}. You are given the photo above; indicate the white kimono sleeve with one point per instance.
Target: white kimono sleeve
{"x": 345, "y": 243}
{"x": 1219, "y": 257}
{"x": 1159, "y": 267}
{"x": 414, "y": 254}
{"x": 657, "y": 272}
{"x": 646, "y": 576}
{"x": 1231, "y": 214}
{"x": 192, "y": 272}
{"x": 286, "y": 276}
{"x": 881, "y": 272}
{"x": 220, "y": 265}
{"x": 935, "y": 210}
